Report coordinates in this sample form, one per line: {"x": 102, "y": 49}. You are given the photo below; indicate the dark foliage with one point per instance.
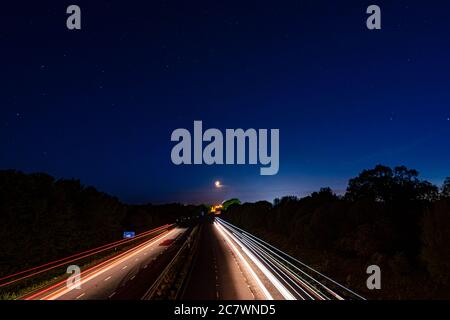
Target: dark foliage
{"x": 42, "y": 219}
{"x": 436, "y": 240}
{"x": 387, "y": 217}
{"x": 445, "y": 193}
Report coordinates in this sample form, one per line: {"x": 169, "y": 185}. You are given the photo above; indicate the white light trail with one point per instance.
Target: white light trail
{"x": 244, "y": 261}
{"x": 267, "y": 245}
{"x": 275, "y": 282}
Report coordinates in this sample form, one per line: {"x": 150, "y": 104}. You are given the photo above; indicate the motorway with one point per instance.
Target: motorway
{"x": 232, "y": 264}
{"x": 102, "y": 281}
{"x": 278, "y": 275}
{"x": 225, "y": 263}
{"x": 217, "y": 273}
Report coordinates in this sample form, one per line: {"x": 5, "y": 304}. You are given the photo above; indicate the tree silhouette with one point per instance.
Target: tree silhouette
{"x": 42, "y": 219}
{"x": 445, "y": 190}
{"x": 388, "y": 216}
{"x": 226, "y": 204}
{"x": 389, "y": 185}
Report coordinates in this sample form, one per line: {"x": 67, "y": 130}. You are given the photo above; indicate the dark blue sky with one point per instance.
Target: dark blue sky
{"x": 100, "y": 104}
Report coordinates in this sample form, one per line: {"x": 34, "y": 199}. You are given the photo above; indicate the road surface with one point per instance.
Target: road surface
{"x": 228, "y": 264}
{"x": 104, "y": 280}
{"x": 278, "y": 275}
{"x": 218, "y": 273}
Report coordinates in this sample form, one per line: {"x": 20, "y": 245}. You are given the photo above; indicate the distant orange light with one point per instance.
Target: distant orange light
{"x": 216, "y": 209}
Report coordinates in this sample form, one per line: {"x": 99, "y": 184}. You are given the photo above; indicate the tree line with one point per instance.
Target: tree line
{"x": 43, "y": 218}
{"x": 388, "y": 216}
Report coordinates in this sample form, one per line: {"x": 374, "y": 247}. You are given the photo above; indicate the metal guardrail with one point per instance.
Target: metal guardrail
{"x": 159, "y": 282}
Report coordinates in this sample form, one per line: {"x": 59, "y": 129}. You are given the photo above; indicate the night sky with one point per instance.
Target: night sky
{"x": 100, "y": 104}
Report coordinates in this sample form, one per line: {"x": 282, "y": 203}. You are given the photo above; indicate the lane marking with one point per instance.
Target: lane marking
{"x": 111, "y": 295}
{"x": 247, "y": 265}
{"x": 80, "y": 295}
{"x": 125, "y": 257}
{"x": 107, "y": 278}
{"x": 124, "y": 267}
{"x": 78, "y": 255}
{"x": 268, "y": 246}
{"x": 133, "y": 277}
{"x": 275, "y": 282}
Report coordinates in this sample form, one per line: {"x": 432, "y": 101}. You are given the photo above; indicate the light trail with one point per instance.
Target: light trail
{"x": 286, "y": 274}
{"x": 78, "y": 256}
{"x": 285, "y": 269}
{"x": 278, "y": 271}
{"x": 274, "y": 281}
{"x": 244, "y": 261}
{"x": 277, "y": 284}
{"x": 299, "y": 279}
{"x": 315, "y": 292}
{"x": 116, "y": 262}
{"x": 97, "y": 269}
